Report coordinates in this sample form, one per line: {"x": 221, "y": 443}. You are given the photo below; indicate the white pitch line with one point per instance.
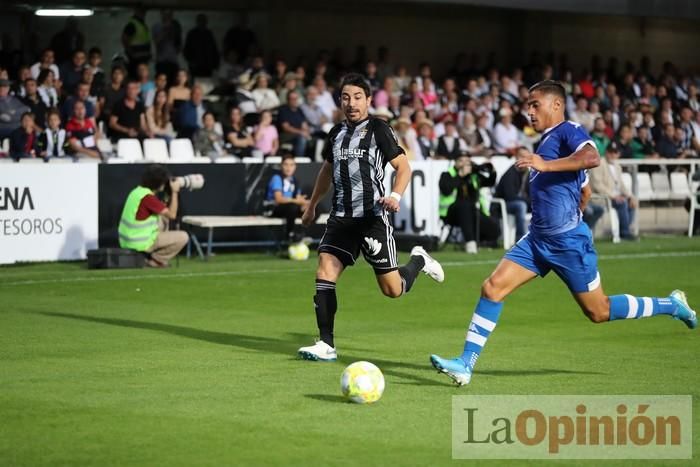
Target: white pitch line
{"x": 622, "y": 256}
{"x": 148, "y": 276}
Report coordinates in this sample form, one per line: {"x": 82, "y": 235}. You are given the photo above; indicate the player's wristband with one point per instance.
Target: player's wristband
{"x": 396, "y": 196}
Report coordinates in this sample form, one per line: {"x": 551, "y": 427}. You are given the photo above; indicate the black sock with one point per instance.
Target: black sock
{"x": 326, "y": 306}
{"x": 410, "y": 271}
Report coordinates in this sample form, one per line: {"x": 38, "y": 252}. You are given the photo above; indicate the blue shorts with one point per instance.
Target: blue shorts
{"x": 570, "y": 254}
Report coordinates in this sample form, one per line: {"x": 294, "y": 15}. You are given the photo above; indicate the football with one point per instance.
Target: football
{"x": 298, "y": 251}
{"x": 362, "y": 383}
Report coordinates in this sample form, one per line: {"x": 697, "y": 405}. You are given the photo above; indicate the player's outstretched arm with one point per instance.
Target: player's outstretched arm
{"x": 585, "y": 158}
{"x": 323, "y": 184}
{"x": 403, "y": 176}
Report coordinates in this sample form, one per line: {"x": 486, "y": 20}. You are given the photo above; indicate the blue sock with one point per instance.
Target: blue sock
{"x": 630, "y": 307}
{"x": 483, "y": 323}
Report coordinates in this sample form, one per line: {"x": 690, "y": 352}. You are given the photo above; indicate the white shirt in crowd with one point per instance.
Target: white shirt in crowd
{"x": 505, "y": 137}
{"x": 450, "y": 142}
{"x": 696, "y": 131}
{"x": 327, "y": 104}
{"x": 485, "y": 137}
{"x": 265, "y": 98}
{"x": 584, "y": 118}
{"x": 55, "y": 142}
{"x": 36, "y": 69}
{"x": 615, "y": 178}
{"x": 48, "y": 95}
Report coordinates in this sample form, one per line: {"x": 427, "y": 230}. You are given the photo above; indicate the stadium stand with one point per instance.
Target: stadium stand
{"x": 653, "y": 117}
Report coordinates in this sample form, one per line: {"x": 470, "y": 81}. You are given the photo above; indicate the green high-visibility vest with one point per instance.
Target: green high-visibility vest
{"x": 135, "y": 234}
{"x": 447, "y": 200}
{"x": 139, "y": 47}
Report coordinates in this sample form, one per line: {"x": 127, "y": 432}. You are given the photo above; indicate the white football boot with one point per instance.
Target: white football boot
{"x": 319, "y": 352}
{"x": 431, "y": 267}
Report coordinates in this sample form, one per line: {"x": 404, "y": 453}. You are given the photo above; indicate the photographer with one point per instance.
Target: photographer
{"x": 459, "y": 195}
{"x": 143, "y": 225}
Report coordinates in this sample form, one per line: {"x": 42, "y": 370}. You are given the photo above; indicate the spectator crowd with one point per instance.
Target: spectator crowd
{"x": 233, "y": 102}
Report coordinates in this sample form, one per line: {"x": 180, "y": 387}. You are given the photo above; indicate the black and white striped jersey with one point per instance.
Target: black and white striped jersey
{"x": 359, "y": 152}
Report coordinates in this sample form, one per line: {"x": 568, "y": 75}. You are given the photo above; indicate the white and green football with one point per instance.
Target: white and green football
{"x": 298, "y": 251}
{"x": 362, "y": 383}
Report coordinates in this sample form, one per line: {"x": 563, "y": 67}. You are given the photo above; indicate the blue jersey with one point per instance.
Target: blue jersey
{"x": 556, "y": 196}
{"x": 288, "y": 187}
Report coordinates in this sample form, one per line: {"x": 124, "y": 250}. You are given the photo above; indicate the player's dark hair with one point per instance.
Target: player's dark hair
{"x": 155, "y": 176}
{"x": 549, "y": 86}
{"x": 355, "y": 79}
{"x": 287, "y": 155}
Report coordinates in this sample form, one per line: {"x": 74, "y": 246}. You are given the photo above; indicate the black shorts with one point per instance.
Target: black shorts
{"x": 346, "y": 236}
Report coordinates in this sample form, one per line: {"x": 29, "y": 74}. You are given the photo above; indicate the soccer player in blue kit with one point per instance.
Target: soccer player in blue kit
{"x": 558, "y": 240}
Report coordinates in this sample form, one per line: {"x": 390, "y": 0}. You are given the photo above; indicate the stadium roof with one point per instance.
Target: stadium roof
{"x": 686, "y": 9}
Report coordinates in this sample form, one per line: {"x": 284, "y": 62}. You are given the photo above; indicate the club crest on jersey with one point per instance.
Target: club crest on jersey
{"x": 362, "y": 133}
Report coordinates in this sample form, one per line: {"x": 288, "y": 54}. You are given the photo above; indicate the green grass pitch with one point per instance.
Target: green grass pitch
{"x": 196, "y": 365}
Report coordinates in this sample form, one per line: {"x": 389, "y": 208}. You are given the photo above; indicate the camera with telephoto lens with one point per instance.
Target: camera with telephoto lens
{"x": 189, "y": 182}
{"x": 486, "y": 173}
{"x": 485, "y": 170}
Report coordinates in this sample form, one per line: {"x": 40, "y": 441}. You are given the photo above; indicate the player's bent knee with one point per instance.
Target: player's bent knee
{"x": 596, "y": 314}
{"x": 492, "y": 290}
{"x": 391, "y": 291}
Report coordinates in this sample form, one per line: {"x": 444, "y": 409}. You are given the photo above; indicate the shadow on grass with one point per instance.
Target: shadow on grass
{"x": 258, "y": 343}
{"x": 265, "y": 344}
{"x": 289, "y": 347}
{"x": 327, "y": 398}
{"x": 536, "y": 372}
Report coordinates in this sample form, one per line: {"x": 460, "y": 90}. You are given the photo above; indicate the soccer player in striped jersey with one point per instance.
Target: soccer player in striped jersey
{"x": 558, "y": 240}
{"x": 355, "y": 156}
